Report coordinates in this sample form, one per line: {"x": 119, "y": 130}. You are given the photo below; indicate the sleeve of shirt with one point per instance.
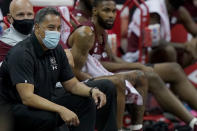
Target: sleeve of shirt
{"x": 66, "y": 71}
{"x": 21, "y": 67}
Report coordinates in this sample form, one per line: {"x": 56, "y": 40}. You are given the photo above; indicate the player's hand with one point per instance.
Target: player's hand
{"x": 147, "y": 69}
{"x": 191, "y": 47}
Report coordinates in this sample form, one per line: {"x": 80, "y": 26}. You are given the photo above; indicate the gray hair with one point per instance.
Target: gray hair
{"x": 41, "y": 14}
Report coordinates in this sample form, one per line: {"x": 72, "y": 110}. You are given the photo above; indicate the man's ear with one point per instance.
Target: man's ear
{"x": 9, "y": 18}
{"x": 38, "y": 30}
{"x": 36, "y": 27}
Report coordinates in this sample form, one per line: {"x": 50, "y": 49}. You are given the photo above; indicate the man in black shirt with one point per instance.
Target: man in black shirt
{"x": 28, "y": 76}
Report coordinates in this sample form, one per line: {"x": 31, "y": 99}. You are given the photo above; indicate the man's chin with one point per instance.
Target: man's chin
{"x": 108, "y": 27}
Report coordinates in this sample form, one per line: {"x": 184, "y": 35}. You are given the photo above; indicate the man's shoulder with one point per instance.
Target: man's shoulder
{"x": 85, "y": 25}
{"x": 22, "y": 47}
{"x": 84, "y": 31}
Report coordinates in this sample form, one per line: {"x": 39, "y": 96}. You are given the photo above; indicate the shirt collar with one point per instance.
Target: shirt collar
{"x": 12, "y": 37}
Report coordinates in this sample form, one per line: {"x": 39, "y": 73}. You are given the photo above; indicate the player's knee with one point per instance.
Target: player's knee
{"x": 141, "y": 78}
{"x": 152, "y": 76}
{"x": 119, "y": 82}
{"x": 155, "y": 82}
{"x": 170, "y": 50}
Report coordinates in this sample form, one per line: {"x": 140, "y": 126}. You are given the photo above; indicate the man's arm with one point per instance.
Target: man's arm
{"x": 78, "y": 88}
{"x": 124, "y": 66}
{"x": 26, "y": 92}
{"x": 186, "y": 19}
{"x": 189, "y": 46}
{"x": 82, "y": 41}
{"x": 117, "y": 64}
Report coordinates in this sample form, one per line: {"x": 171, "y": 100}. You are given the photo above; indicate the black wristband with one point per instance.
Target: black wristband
{"x": 91, "y": 79}
{"x": 90, "y": 92}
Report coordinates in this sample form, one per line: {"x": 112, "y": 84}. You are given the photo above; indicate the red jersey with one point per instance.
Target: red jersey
{"x": 98, "y": 50}
{"x": 4, "y": 48}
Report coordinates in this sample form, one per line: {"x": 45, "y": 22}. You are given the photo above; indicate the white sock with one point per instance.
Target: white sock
{"x": 193, "y": 122}
{"x": 120, "y": 129}
{"x": 136, "y": 127}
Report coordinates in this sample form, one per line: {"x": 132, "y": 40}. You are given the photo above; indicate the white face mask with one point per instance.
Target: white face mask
{"x": 155, "y": 34}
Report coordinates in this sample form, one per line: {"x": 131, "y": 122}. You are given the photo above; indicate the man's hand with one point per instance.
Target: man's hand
{"x": 147, "y": 69}
{"x": 99, "y": 98}
{"x": 69, "y": 117}
{"x": 191, "y": 47}
{"x": 144, "y": 68}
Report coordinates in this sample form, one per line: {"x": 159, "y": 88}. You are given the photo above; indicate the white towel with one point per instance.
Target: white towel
{"x": 157, "y": 6}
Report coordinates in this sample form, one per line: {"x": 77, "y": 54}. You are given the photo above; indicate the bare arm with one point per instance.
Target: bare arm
{"x": 30, "y": 99}
{"x": 81, "y": 41}
{"x": 187, "y": 21}
{"x": 189, "y": 46}
{"x": 78, "y": 88}
{"x": 174, "y": 44}
{"x": 26, "y": 92}
{"x": 118, "y": 64}
{"x": 114, "y": 66}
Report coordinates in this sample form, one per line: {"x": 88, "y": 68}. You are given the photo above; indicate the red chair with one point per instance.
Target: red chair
{"x": 191, "y": 72}
{"x": 144, "y": 38}
{"x": 5, "y": 20}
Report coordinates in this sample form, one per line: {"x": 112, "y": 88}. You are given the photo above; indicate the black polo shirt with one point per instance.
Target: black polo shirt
{"x": 27, "y": 62}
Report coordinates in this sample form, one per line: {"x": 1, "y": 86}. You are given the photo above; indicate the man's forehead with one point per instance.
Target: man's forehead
{"x": 25, "y": 9}
{"x": 20, "y": 5}
{"x": 107, "y": 3}
{"x": 51, "y": 19}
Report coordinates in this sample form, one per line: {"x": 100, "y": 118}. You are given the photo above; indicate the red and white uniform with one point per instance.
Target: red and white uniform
{"x": 96, "y": 69}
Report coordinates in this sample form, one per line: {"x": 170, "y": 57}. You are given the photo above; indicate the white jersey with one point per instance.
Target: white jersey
{"x": 95, "y": 69}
